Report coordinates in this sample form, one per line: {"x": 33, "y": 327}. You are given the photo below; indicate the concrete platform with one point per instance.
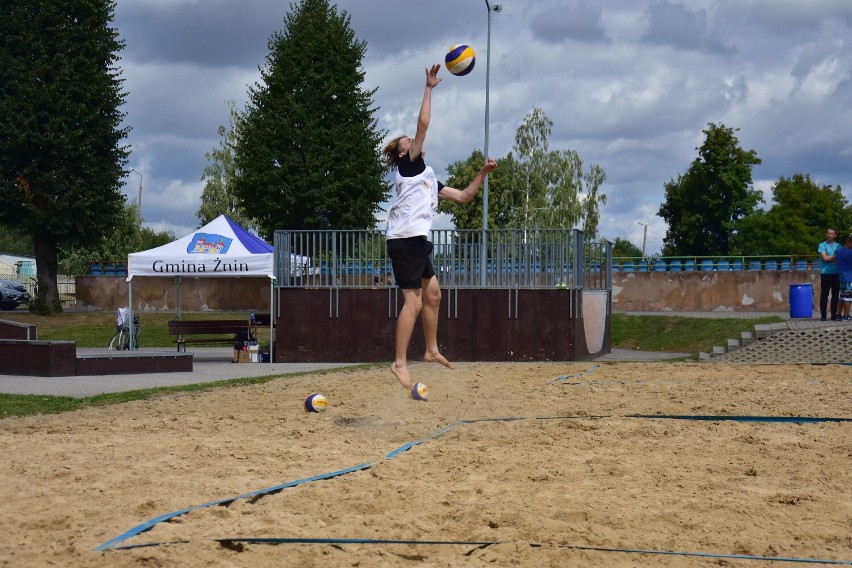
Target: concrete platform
{"x": 210, "y": 364}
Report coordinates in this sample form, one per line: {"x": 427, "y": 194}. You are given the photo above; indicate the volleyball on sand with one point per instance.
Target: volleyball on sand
{"x": 419, "y": 391}
{"x": 316, "y": 403}
{"x": 460, "y": 60}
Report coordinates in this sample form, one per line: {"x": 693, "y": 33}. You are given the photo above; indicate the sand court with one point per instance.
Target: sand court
{"x": 507, "y": 464}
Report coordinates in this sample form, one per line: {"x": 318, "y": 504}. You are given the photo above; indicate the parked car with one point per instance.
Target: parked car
{"x": 12, "y": 294}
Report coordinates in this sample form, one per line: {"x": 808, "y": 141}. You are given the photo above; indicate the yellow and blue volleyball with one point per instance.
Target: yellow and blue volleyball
{"x": 316, "y": 403}
{"x": 460, "y": 60}
{"x": 419, "y": 391}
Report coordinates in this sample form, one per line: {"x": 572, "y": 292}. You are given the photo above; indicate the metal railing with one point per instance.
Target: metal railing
{"x": 714, "y": 263}
{"x": 516, "y": 259}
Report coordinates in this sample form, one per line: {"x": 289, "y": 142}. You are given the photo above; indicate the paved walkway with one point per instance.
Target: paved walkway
{"x": 209, "y": 364}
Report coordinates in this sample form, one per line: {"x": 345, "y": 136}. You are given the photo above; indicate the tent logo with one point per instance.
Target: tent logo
{"x": 205, "y": 243}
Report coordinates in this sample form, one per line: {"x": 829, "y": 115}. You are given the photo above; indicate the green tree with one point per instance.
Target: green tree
{"x": 61, "y": 162}
{"x": 126, "y": 237}
{"x": 624, "y": 248}
{"x": 469, "y": 215}
{"x": 13, "y": 241}
{"x": 704, "y": 206}
{"x": 534, "y": 187}
{"x": 218, "y": 197}
{"x": 796, "y": 221}
{"x": 308, "y": 152}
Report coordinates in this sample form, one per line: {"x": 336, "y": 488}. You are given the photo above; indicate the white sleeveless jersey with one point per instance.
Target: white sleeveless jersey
{"x": 416, "y": 202}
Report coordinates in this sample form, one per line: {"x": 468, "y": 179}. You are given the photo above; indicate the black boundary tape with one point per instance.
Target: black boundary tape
{"x": 721, "y": 418}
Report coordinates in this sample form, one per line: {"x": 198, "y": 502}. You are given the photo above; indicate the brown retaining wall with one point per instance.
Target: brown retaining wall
{"x": 741, "y": 291}
{"x": 347, "y": 325}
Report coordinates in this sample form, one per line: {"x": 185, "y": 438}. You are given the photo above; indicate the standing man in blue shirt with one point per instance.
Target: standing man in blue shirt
{"x": 843, "y": 256}
{"x": 829, "y": 275}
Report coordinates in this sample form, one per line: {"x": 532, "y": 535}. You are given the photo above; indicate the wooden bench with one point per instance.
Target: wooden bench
{"x": 230, "y": 328}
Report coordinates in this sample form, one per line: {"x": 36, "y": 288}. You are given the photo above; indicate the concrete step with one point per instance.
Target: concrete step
{"x": 720, "y": 349}
{"x": 702, "y": 356}
{"x": 764, "y": 330}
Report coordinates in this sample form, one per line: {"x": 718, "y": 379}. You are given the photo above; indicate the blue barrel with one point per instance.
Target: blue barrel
{"x": 801, "y": 300}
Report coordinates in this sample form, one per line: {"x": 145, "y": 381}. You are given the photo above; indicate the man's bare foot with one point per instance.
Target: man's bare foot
{"x": 437, "y": 358}
{"x": 401, "y": 374}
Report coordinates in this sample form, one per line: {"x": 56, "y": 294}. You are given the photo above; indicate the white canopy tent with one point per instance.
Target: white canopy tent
{"x": 221, "y": 248}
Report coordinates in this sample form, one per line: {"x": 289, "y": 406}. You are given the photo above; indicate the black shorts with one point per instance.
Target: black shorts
{"x": 411, "y": 260}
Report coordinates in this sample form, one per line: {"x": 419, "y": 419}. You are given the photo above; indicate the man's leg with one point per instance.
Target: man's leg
{"x": 835, "y": 292}
{"x": 823, "y": 295}
{"x": 429, "y": 315}
{"x": 411, "y": 308}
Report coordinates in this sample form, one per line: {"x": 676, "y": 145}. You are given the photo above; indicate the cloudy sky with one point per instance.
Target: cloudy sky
{"x": 629, "y": 85}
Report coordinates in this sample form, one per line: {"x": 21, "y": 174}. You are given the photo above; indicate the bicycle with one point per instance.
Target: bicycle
{"x": 121, "y": 340}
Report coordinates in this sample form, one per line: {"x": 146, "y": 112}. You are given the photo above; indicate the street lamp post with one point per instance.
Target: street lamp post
{"x": 483, "y": 247}
{"x": 139, "y": 202}
{"x": 644, "y": 238}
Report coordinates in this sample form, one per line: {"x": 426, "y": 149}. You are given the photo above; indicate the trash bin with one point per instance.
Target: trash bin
{"x": 801, "y": 300}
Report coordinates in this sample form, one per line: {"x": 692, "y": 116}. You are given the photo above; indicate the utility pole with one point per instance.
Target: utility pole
{"x": 139, "y": 202}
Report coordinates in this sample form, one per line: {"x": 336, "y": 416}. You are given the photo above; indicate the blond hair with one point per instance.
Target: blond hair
{"x": 391, "y": 152}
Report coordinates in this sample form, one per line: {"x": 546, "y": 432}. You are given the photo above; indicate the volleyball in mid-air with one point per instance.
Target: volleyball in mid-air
{"x": 419, "y": 391}
{"x": 316, "y": 403}
{"x": 460, "y": 60}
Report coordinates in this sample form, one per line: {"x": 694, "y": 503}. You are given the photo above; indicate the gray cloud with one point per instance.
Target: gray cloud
{"x": 629, "y": 84}
{"x": 674, "y": 25}
{"x": 560, "y": 23}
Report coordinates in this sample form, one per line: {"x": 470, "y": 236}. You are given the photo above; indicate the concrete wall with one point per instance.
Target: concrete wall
{"x": 741, "y": 291}
{"x": 154, "y": 293}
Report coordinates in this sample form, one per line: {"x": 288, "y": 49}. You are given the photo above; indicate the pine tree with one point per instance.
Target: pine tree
{"x": 308, "y": 151}
{"x": 61, "y": 163}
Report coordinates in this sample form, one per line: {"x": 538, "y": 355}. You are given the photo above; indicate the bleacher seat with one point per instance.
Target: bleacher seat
{"x": 659, "y": 265}
{"x": 688, "y": 265}
{"x": 707, "y": 264}
{"x": 737, "y": 265}
{"x": 771, "y": 265}
{"x": 723, "y": 264}
{"x": 643, "y": 266}
{"x": 785, "y": 265}
{"x": 627, "y": 266}
{"x": 801, "y": 264}
{"x": 754, "y": 265}
{"x": 675, "y": 265}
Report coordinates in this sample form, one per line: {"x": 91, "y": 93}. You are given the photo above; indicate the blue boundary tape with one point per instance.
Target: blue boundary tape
{"x": 149, "y": 524}
{"x": 575, "y": 375}
{"x": 115, "y": 543}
